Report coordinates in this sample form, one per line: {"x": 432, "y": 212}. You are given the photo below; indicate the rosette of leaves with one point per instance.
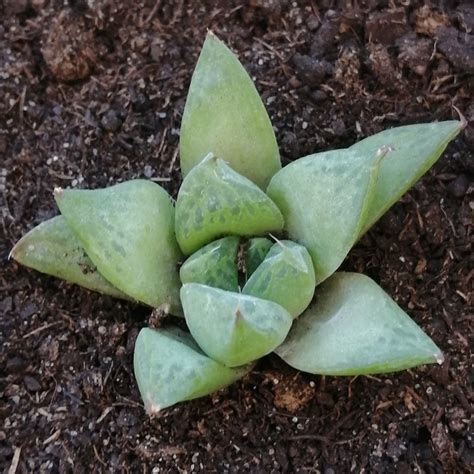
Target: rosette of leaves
{"x": 249, "y": 252}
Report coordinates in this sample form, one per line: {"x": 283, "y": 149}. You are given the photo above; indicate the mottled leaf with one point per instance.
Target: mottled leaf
{"x": 170, "y": 368}
{"x": 233, "y": 328}
{"x": 214, "y": 201}
{"x": 415, "y": 148}
{"x": 52, "y": 248}
{"x": 355, "y": 328}
{"x": 213, "y": 265}
{"x": 127, "y": 231}
{"x": 256, "y": 250}
{"x": 225, "y": 115}
{"x": 324, "y": 199}
{"x": 286, "y": 276}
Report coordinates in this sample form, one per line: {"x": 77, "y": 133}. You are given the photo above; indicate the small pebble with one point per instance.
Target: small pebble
{"x": 31, "y": 383}
{"x": 111, "y": 121}
{"x": 15, "y": 365}
{"x": 459, "y": 186}
{"x": 318, "y": 96}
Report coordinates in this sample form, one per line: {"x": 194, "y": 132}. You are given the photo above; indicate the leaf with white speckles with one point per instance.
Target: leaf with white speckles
{"x": 355, "y": 328}
{"x": 256, "y": 250}
{"x": 324, "y": 199}
{"x": 170, "y": 368}
{"x": 127, "y": 230}
{"x": 233, "y": 328}
{"x": 213, "y": 265}
{"x": 52, "y": 248}
{"x": 214, "y": 200}
{"x": 415, "y": 148}
{"x": 286, "y": 276}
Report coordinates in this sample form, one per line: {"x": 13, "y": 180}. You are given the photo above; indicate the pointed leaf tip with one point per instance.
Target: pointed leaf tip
{"x": 52, "y": 248}
{"x": 355, "y": 328}
{"x": 170, "y": 368}
{"x": 324, "y": 199}
{"x": 415, "y": 149}
{"x": 224, "y": 114}
{"x": 58, "y": 192}
{"x": 127, "y": 230}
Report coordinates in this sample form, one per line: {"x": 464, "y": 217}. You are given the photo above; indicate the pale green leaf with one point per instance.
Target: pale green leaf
{"x": 214, "y": 201}
{"x": 354, "y": 328}
{"x": 256, "y": 250}
{"x": 52, "y": 248}
{"x": 415, "y": 148}
{"x": 213, "y": 265}
{"x": 324, "y": 199}
{"x": 233, "y": 328}
{"x": 170, "y": 368}
{"x": 286, "y": 276}
{"x": 225, "y": 115}
{"x": 127, "y": 230}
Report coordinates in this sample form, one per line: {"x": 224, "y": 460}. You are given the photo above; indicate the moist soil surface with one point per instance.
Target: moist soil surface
{"x": 91, "y": 93}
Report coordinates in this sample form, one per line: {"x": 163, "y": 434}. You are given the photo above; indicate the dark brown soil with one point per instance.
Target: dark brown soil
{"x": 93, "y": 93}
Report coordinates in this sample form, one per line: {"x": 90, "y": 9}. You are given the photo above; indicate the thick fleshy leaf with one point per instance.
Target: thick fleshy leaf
{"x": 52, "y": 248}
{"x": 233, "y": 328}
{"x": 225, "y": 115}
{"x": 415, "y": 148}
{"x": 256, "y": 250}
{"x": 214, "y": 201}
{"x": 356, "y": 328}
{"x": 214, "y": 265}
{"x": 286, "y": 276}
{"x": 324, "y": 199}
{"x": 170, "y": 368}
{"x": 127, "y": 230}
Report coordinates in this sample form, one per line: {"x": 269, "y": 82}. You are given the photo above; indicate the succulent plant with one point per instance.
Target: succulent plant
{"x": 250, "y": 251}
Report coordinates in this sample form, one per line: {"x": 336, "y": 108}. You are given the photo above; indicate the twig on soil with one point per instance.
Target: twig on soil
{"x": 159, "y": 179}
{"x": 270, "y": 48}
{"x": 98, "y": 457}
{"x": 22, "y": 105}
{"x": 104, "y": 414}
{"x": 107, "y": 375}
{"x": 450, "y": 222}
{"x": 130, "y": 403}
{"x": 323, "y": 439}
{"x": 42, "y": 328}
{"x": 15, "y": 461}
{"x": 173, "y": 160}
{"x": 462, "y": 399}
{"x": 52, "y": 438}
{"x": 153, "y": 12}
